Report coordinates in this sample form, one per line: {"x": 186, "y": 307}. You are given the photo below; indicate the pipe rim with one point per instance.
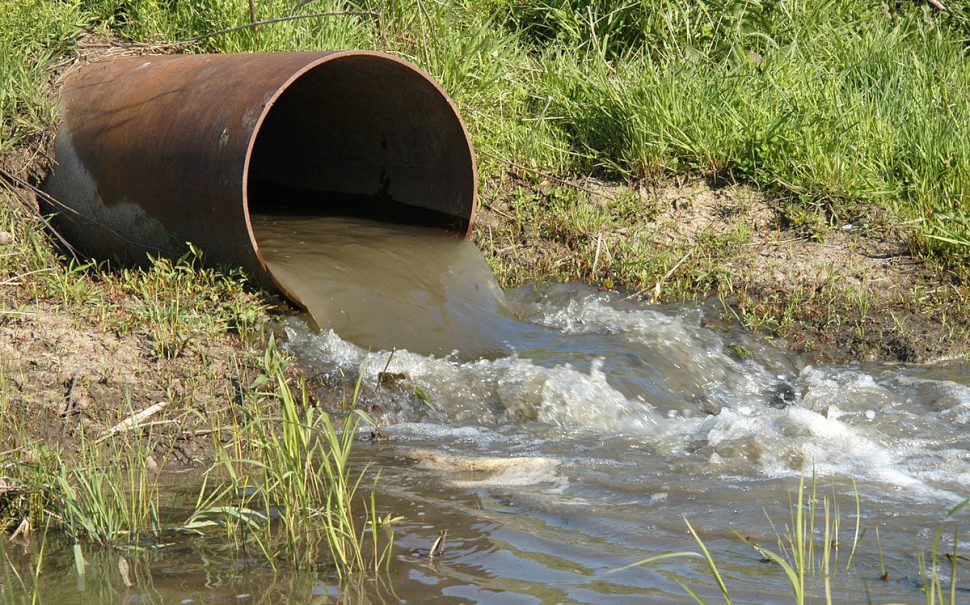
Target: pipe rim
{"x": 271, "y": 102}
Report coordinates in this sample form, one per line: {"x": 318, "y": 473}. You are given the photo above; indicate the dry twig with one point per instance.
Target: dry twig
{"x": 134, "y": 421}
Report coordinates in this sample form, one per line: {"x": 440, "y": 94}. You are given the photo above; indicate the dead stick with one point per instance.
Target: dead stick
{"x": 134, "y": 421}
{"x": 203, "y": 432}
{"x": 497, "y": 211}
{"x": 12, "y": 281}
{"x": 11, "y": 180}
{"x": 16, "y": 180}
{"x": 386, "y": 365}
{"x": 596, "y": 257}
{"x": 389, "y": 358}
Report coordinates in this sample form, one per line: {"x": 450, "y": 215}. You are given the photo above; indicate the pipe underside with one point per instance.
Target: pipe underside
{"x": 156, "y": 151}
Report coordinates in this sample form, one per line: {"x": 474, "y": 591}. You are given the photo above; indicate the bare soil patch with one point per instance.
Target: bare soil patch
{"x": 64, "y": 378}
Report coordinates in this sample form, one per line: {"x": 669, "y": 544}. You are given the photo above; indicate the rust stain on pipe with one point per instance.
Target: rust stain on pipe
{"x": 156, "y": 151}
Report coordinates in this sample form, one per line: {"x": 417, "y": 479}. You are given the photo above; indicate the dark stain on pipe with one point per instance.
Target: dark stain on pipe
{"x": 156, "y": 151}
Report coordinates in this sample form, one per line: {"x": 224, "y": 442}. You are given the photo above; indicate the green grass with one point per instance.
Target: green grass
{"x": 176, "y": 304}
{"x": 834, "y": 107}
{"x": 108, "y": 497}
{"x": 291, "y": 486}
{"x": 845, "y": 107}
{"x": 283, "y": 481}
{"x": 808, "y": 553}
{"x": 33, "y": 33}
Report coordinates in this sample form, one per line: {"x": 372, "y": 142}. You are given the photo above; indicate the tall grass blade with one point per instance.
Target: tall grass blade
{"x": 793, "y": 576}
{"x": 953, "y": 566}
{"x": 858, "y": 521}
{"x": 654, "y": 559}
{"x": 710, "y": 562}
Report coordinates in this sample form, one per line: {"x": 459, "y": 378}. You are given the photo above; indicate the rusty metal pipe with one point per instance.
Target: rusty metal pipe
{"x": 156, "y": 151}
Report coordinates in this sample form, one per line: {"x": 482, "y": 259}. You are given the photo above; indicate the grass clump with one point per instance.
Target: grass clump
{"x": 102, "y": 493}
{"x": 284, "y": 481}
{"x": 176, "y": 302}
{"x": 293, "y": 488}
{"x": 33, "y": 33}
{"x": 112, "y": 500}
{"x": 808, "y": 553}
{"x": 814, "y": 105}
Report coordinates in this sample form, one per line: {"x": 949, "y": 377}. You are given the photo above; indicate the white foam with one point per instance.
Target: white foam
{"x": 790, "y": 441}
{"x": 504, "y": 390}
{"x": 891, "y": 428}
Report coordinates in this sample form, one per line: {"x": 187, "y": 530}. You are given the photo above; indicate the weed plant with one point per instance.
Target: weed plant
{"x": 109, "y": 496}
{"x": 179, "y": 301}
{"x": 284, "y": 482}
{"x": 808, "y": 552}
{"x": 294, "y": 490}
{"x": 33, "y": 34}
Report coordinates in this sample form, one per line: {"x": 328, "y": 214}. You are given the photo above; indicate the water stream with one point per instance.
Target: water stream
{"x": 389, "y": 286}
{"x": 560, "y": 433}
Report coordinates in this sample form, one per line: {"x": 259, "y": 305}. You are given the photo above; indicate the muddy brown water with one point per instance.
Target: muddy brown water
{"x": 383, "y": 286}
{"x": 560, "y": 433}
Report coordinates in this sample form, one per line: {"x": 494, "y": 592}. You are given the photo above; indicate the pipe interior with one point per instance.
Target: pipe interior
{"x": 365, "y": 136}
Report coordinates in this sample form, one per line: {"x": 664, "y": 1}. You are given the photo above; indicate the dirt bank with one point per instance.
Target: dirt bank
{"x": 848, "y": 291}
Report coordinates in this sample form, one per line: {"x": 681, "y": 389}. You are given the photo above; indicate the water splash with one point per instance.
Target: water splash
{"x": 604, "y": 372}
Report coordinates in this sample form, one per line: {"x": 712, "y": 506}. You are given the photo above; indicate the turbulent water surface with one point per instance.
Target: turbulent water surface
{"x": 560, "y": 433}
{"x": 585, "y": 424}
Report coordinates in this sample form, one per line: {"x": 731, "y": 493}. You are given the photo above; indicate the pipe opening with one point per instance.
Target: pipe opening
{"x": 367, "y": 136}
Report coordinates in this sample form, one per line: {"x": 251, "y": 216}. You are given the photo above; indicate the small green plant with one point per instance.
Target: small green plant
{"x": 929, "y": 570}
{"x": 802, "y": 556}
{"x": 180, "y": 302}
{"x": 704, "y": 555}
{"x": 804, "y": 553}
{"x": 108, "y": 496}
{"x": 299, "y": 474}
{"x": 166, "y": 323}
{"x": 72, "y": 283}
